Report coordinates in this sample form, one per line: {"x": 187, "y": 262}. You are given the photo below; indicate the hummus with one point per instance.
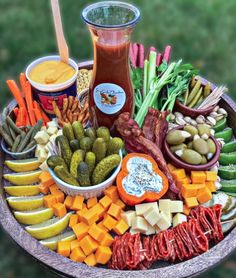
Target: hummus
{"x": 51, "y": 72}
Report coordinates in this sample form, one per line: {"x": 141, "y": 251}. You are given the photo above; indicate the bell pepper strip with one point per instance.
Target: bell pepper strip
{"x": 146, "y": 195}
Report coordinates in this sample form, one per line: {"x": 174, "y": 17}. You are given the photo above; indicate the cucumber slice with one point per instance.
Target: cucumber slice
{"x": 229, "y": 147}
{"x": 230, "y": 215}
{"x": 226, "y": 134}
{"x": 228, "y": 186}
{"x": 222, "y": 199}
{"x": 228, "y": 226}
{"x": 220, "y": 125}
{"x": 227, "y": 158}
{"x": 227, "y": 172}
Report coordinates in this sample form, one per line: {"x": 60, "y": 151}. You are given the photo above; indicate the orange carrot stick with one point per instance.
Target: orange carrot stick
{"x": 23, "y": 83}
{"x": 44, "y": 115}
{"x": 29, "y": 101}
{"x": 26, "y": 89}
{"x": 21, "y": 119}
{"x": 37, "y": 111}
{"x": 16, "y": 93}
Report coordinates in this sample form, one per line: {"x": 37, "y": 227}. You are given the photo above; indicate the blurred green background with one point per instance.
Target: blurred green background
{"x": 201, "y": 32}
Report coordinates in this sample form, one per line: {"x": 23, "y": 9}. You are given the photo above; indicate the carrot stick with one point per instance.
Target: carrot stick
{"x": 16, "y": 111}
{"x": 23, "y": 82}
{"x": 16, "y": 93}
{"x": 21, "y": 119}
{"x": 44, "y": 115}
{"x": 37, "y": 111}
{"x": 29, "y": 102}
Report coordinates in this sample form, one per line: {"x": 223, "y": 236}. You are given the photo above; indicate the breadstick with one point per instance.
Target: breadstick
{"x": 74, "y": 117}
{"x": 56, "y": 109}
{"x": 74, "y": 106}
{"x": 71, "y": 99}
{"x": 70, "y": 117}
{"x": 65, "y": 105}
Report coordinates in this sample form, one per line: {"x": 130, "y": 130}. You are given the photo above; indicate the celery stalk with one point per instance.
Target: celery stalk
{"x": 151, "y": 68}
{"x": 145, "y": 78}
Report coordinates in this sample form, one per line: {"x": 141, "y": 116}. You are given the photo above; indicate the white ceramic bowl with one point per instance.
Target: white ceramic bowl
{"x": 86, "y": 191}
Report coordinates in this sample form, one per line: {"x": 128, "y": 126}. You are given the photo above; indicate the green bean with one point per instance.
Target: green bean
{"x": 6, "y": 137}
{"x": 13, "y": 126}
{"x": 16, "y": 143}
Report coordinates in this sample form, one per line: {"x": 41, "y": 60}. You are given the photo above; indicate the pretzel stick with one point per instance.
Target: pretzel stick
{"x": 56, "y": 109}
{"x": 70, "y": 102}
{"x": 65, "y": 105}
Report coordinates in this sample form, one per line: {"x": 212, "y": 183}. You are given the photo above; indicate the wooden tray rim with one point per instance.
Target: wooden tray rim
{"x": 65, "y": 266}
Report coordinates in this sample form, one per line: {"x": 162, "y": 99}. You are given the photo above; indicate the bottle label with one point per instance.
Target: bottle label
{"x": 109, "y": 98}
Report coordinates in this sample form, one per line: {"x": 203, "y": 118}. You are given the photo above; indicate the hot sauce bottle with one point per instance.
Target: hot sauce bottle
{"x": 111, "y": 93}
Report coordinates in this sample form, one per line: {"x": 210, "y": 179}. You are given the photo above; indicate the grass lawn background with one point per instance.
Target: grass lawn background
{"x": 201, "y": 32}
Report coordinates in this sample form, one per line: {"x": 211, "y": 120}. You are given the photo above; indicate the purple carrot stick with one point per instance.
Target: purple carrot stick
{"x": 167, "y": 52}
{"x": 135, "y": 50}
{"x": 141, "y": 55}
{"x": 131, "y": 56}
{"x": 159, "y": 59}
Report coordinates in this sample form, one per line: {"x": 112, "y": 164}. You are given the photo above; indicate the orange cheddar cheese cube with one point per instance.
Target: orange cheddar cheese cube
{"x": 77, "y": 255}
{"x": 204, "y": 195}
{"x": 59, "y": 209}
{"x": 68, "y": 202}
{"x": 80, "y": 230}
{"x": 43, "y": 189}
{"x": 88, "y": 245}
{"x": 90, "y": 260}
{"x": 109, "y": 222}
{"x": 211, "y": 186}
{"x": 112, "y": 193}
{"x": 121, "y": 227}
{"x": 105, "y": 202}
{"x": 60, "y": 196}
{"x": 187, "y": 190}
{"x": 96, "y": 232}
{"x": 120, "y": 203}
{"x": 191, "y": 202}
{"x": 178, "y": 174}
{"x": 100, "y": 224}
{"x": 74, "y": 218}
{"x": 186, "y": 210}
{"x": 49, "y": 201}
{"x": 74, "y": 244}
{"x": 46, "y": 179}
{"x": 78, "y": 203}
{"x": 198, "y": 177}
{"x": 63, "y": 248}
{"x": 103, "y": 254}
{"x": 114, "y": 210}
{"x": 99, "y": 209}
{"x": 211, "y": 176}
{"x": 81, "y": 212}
{"x": 84, "y": 206}
{"x": 90, "y": 217}
{"x": 107, "y": 240}
{"x": 92, "y": 202}
{"x": 53, "y": 188}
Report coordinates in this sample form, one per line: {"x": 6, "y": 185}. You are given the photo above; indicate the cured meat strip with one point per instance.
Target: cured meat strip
{"x": 135, "y": 140}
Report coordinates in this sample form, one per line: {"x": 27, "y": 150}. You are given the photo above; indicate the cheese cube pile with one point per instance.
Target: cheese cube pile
{"x": 44, "y": 138}
{"x": 149, "y": 218}
{"x": 197, "y": 188}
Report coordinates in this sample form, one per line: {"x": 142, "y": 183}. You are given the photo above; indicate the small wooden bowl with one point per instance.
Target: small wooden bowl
{"x": 191, "y": 112}
{"x": 177, "y": 162}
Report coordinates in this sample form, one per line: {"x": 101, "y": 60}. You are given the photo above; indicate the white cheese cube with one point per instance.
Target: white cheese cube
{"x": 178, "y": 219}
{"x": 52, "y": 124}
{"x": 128, "y": 216}
{"x": 52, "y": 130}
{"x": 140, "y": 224}
{"x": 176, "y": 206}
{"x": 133, "y": 231}
{"x": 38, "y": 148}
{"x": 44, "y": 166}
{"x": 42, "y": 155}
{"x": 164, "y": 205}
{"x": 152, "y": 215}
{"x": 168, "y": 215}
{"x": 43, "y": 128}
{"x": 150, "y": 231}
{"x": 60, "y": 132}
{"x": 48, "y": 146}
{"x": 163, "y": 223}
{"x": 42, "y": 137}
{"x": 142, "y": 208}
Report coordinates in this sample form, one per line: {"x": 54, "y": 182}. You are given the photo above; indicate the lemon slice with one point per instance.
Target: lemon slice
{"x": 23, "y": 164}
{"x": 23, "y": 178}
{"x": 25, "y": 203}
{"x": 51, "y": 243}
{"x": 49, "y": 228}
{"x": 33, "y": 216}
{"x": 22, "y": 190}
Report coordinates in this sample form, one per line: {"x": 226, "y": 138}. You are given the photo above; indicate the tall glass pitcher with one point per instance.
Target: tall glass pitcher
{"x": 111, "y": 93}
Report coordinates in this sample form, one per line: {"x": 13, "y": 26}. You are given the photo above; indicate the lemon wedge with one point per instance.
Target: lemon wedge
{"x": 25, "y": 203}
{"x": 33, "y": 216}
{"x": 23, "y": 178}
{"x": 22, "y": 190}
{"x": 23, "y": 165}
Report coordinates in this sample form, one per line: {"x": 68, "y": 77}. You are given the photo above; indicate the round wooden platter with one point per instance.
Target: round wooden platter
{"x": 68, "y": 268}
